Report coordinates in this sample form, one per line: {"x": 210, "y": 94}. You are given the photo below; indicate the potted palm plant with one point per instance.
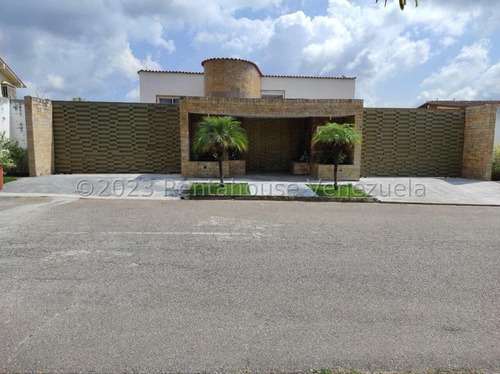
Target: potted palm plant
{"x": 339, "y": 138}
{"x": 5, "y": 157}
{"x": 218, "y": 135}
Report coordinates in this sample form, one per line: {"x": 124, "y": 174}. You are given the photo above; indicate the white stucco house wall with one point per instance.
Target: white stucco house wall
{"x": 12, "y": 115}
{"x": 169, "y": 86}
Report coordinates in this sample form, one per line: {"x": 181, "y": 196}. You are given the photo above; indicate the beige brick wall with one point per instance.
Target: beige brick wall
{"x": 300, "y": 168}
{"x": 325, "y": 172}
{"x": 272, "y": 108}
{"x": 210, "y": 169}
{"x": 40, "y": 136}
{"x": 231, "y": 78}
{"x": 478, "y": 142}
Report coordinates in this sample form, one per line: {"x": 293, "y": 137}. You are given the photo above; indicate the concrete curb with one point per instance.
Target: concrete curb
{"x": 91, "y": 197}
{"x": 284, "y": 198}
{"x": 435, "y": 203}
{"x": 245, "y": 197}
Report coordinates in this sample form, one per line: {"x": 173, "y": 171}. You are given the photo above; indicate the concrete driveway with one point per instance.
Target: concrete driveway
{"x": 168, "y": 186}
{"x": 104, "y": 186}
{"x": 458, "y": 191}
{"x": 223, "y": 286}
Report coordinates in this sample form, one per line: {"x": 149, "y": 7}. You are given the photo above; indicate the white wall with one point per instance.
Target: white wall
{"x": 3, "y": 77}
{"x": 18, "y": 122}
{"x": 5, "y": 116}
{"x": 183, "y": 84}
{"x": 310, "y": 88}
{"x": 169, "y": 84}
{"x": 13, "y": 120}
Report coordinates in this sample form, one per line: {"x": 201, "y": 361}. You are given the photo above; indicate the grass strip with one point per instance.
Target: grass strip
{"x": 215, "y": 189}
{"x": 9, "y": 179}
{"x": 344, "y": 190}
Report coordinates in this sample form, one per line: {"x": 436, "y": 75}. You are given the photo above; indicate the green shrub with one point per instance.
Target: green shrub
{"x": 496, "y": 164}
{"x": 13, "y": 157}
{"x": 6, "y": 160}
{"x": 20, "y": 157}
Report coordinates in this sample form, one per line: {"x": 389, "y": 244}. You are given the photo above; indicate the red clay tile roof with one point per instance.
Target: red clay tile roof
{"x": 459, "y": 103}
{"x": 232, "y": 59}
{"x": 247, "y": 61}
{"x": 167, "y": 71}
{"x": 307, "y": 76}
{"x": 264, "y": 76}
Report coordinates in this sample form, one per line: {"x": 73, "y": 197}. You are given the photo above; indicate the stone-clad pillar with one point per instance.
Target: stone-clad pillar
{"x": 478, "y": 142}
{"x": 40, "y": 136}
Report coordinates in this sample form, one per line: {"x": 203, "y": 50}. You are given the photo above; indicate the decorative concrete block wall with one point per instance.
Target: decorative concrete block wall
{"x": 39, "y": 135}
{"x": 94, "y": 137}
{"x": 479, "y": 141}
{"x": 412, "y": 143}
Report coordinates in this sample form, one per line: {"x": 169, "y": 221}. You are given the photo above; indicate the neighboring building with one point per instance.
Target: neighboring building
{"x": 12, "y": 117}
{"x": 463, "y": 105}
{"x": 247, "y": 82}
{"x": 456, "y": 104}
{"x": 9, "y": 81}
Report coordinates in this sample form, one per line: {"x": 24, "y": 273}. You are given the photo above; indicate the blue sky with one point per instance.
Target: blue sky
{"x": 446, "y": 49}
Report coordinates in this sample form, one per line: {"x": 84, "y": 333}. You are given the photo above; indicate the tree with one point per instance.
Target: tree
{"x": 402, "y": 3}
{"x": 340, "y": 138}
{"x": 78, "y": 99}
{"x": 218, "y": 135}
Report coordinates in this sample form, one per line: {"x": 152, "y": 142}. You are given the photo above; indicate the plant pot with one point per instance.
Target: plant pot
{"x": 299, "y": 168}
{"x": 1, "y": 178}
{"x": 325, "y": 172}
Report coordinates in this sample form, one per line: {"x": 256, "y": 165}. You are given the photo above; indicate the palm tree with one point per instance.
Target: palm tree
{"x": 340, "y": 138}
{"x": 402, "y": 3}
{"x": 218, "y": 135}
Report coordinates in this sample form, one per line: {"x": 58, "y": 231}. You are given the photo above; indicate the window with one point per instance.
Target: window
{"x": 272, "y": 94}
{"x": 8, "y": 91}
{"x": 168, "y": 100}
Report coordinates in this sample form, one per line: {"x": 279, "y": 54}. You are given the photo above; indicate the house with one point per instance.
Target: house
{"x": 166, "y": 87}
{"x": 279, "y": 113}
{"x": 9, "y": 81}
{"x": 456, "y": 104}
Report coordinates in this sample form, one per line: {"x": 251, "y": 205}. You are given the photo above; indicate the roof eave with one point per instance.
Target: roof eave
{"x": 18, "y": 83}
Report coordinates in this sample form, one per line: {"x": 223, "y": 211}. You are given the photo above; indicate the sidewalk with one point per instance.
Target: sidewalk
{"x": 455, "y": 191}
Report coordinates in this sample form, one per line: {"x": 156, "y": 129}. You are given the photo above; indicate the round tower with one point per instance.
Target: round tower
{"x": 230, "y": 77}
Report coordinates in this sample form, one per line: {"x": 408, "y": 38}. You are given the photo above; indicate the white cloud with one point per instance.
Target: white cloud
{"x": 448, "y": 41}
{"x": 468, "y": 76}
{"x": 95, "y": 48}
{"x": 55, "y": 81}
{"x": 133, "y": 95}
{"x": 128, "y": 64}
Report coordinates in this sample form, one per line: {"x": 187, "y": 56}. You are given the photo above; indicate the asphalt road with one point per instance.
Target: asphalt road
{"x": 190, "y": 286}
